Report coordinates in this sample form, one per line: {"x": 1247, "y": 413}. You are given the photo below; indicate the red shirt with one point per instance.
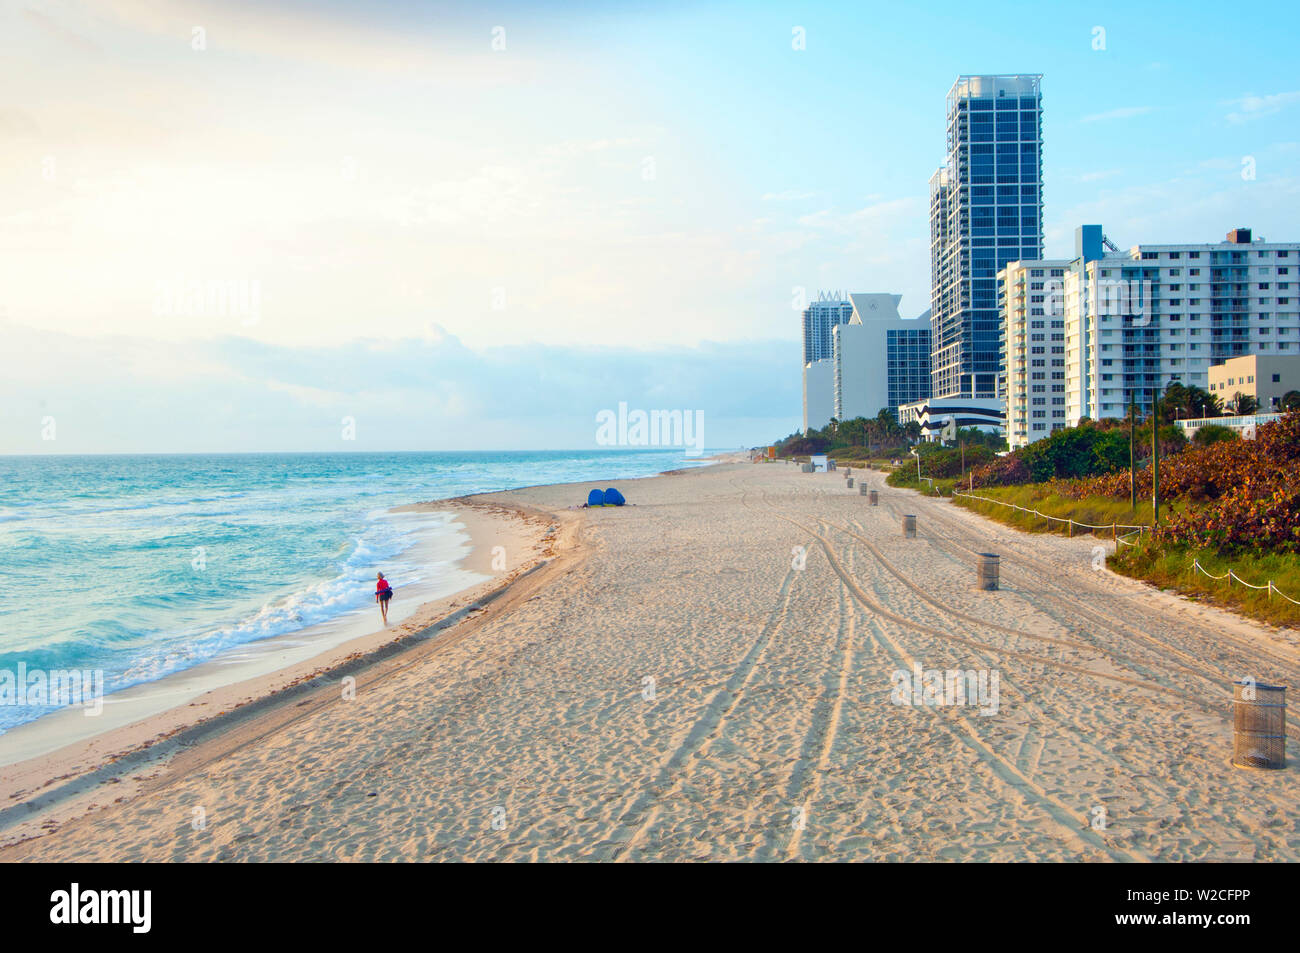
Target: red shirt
{"x": 382, "y": 585}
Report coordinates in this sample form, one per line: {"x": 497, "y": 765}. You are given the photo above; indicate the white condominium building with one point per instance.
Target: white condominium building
{"x": 821, "y": 317}
{"x": 818, "y": 394}
{"x": 881, "y": 359}
{"x": 1033, "y": 350}
{"x": 1135, "y": 321}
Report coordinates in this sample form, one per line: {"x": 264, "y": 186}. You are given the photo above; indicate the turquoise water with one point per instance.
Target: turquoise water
{"x": 141, "y": 566}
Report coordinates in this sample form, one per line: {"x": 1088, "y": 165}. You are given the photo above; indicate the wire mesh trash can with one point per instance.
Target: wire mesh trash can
{"x": 875, "y": 497}
{"x": 862, "y": 489}
{"x": 850, "y": 483}
{"x": 1258, "y": 725}
{"x": 909, "y": 526}
{"x": 986, "y": 573}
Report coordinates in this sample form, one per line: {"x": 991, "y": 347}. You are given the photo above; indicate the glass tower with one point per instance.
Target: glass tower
{"x": 986, "y": 209}
{"x": 908, "y": 357}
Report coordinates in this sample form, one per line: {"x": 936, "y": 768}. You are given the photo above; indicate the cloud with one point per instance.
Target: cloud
{"x": 788, "y": 195}
{"x": 1184, "y": 209}
{"x": 1216, "y": 164}
{"x": 869, "y": 217}
{"x": 1257, "y": 107}
{"x": 61, "y": 33}
{"x": 1097, "y": 176}
{"x": 1124, "y": 112}
{"x": 234, "y": 394}
{"x": 15, "y": 123}
{"x": 325, "y": 35}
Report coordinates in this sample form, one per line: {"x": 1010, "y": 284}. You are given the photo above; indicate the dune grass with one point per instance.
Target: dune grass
{"x": 1172, "y": 568}
{"x": 1095, "y": 510}
{"x": 1167, "y": 567}
{"x": 904, "y": 476}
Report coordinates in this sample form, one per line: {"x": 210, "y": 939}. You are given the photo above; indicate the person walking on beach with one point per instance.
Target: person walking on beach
{"x": 383, "y": 592}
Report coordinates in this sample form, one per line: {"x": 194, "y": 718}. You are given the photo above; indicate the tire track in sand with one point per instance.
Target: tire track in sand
{"x": 1105, "y": 655}
{"x": 644, "y": 809}
{"x": 1018, "y": 540}
{"x": 1123, "y": 630}
{"x": 1073, "y": 825}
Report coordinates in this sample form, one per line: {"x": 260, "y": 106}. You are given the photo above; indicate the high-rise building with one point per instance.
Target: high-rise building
{"x": 1157, "y": 313}
{"x": 818, "y": 394}
{"x": 1134, "y": 321}
{"x": 907, "y": 356}
{"x": 830, "y": 309}
{"x": 881, "y": 360}
{"x": 986, "y": 209}
{"x": 1033, "y": 348}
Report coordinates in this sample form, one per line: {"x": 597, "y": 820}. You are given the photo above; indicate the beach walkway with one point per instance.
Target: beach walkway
{"x": 724, "y": 672}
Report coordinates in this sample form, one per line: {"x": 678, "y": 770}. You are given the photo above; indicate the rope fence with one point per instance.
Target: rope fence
{"x": 1127, "y": 540}
{"x": 1232, "y": 576}
{"x": 1070, "y": 523}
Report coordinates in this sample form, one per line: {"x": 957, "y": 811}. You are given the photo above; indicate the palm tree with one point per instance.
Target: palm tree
{"x": 1175, "y": 402}
{"x": 887, "y": 423}
{"x": 1201, "y": 403}
{"x": 854, "y": 431}
{"x": 1244, "y": 403}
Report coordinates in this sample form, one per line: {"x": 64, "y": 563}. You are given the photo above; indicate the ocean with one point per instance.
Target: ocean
{"x": 143, "y": 566}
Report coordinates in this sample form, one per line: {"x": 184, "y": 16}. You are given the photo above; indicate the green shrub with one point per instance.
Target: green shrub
{"x": 1213, "y": 433}
{"x": 1090, "y": 449}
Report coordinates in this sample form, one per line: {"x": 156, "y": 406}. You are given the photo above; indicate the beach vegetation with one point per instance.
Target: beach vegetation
{"x": 1225, "y": 503}
{"x": 860, "y": 438}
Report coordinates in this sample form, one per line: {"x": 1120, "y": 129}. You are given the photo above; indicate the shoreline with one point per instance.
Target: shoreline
{"x": 769, "y": 691}
{"x": 284, "y": 651}
{"x": 443, "y": 541}
{"x": 52, "y": 784}
{"x": 770, "y": 687}
{"x": 55, "y": 785}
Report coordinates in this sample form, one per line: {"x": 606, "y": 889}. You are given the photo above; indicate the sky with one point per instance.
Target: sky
{"x": 230, "y": 225}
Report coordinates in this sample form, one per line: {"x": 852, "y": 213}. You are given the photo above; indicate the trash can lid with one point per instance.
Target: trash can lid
{"x": 1260, "y": 686}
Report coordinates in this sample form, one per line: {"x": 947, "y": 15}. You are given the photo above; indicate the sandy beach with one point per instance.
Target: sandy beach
{"x": 712, "y": 673}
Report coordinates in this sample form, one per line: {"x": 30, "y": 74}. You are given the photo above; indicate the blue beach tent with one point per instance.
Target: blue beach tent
{"x": 595, "y": 498}
{"x": 613, "y": 497}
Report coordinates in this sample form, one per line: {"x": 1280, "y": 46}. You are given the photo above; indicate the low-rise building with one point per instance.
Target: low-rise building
{"x": 1244, "y": 424}
{"x": 1265, "y": 377}
{"x": 934, "y": 413}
